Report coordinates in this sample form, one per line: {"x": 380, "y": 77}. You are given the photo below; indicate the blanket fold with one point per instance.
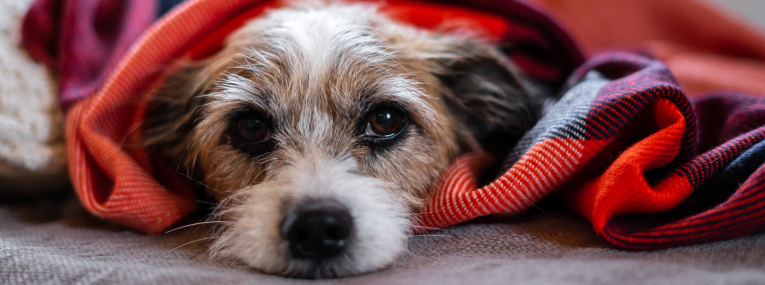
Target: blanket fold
{"x": 622, "y": 142}
{"x": 625, "y": 146}
{"x": 83, "y": 40}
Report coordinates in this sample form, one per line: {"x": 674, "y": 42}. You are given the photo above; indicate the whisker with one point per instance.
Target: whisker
{"x": 523, "y": 195}
{"x": 207, "y": 202}
{"x": 177, "y": 247}
{"x": 130, "y": 131}
{"x": 194, "y": 180}
{"x": 194, "y": 224}
{"x": 425, "y": 227}
{"x": 425, "y": 235}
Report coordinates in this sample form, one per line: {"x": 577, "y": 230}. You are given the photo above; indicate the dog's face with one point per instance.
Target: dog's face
{"x": 321, "y": 129}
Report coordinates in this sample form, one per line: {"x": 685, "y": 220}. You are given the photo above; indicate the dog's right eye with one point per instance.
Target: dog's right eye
{"x": 385, "y": 122}
{"x": 253, "y": 129}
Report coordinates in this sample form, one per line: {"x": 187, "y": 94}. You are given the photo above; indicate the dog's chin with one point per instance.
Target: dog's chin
{"x": 258, "y": 218}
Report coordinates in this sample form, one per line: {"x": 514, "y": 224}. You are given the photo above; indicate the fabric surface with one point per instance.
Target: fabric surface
{"x": 122, "y": 184}
{"x": 647, "y": 172}
{"x": 32, "y": 150}
{"x": 706, "y": 48}
{"x": 82, "y": 40}
{"x": 537, "y": 248}
{"x": 625, "y": 140}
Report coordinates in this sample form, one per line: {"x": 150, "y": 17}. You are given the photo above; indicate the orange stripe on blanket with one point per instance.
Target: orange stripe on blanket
{"x": 622, "y": 187}
{"x": 542, "y": 169}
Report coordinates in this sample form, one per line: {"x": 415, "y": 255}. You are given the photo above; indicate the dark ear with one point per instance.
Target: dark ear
{"x": 485, "y": 93}
{"x": 172, "y": 113}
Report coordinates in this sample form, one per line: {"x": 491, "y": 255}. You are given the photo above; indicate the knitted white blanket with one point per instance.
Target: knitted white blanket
{"x": 32, "y": 152}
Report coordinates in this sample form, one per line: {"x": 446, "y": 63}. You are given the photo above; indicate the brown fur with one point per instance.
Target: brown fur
{"x": 456, "y": 90}
{"x": 441, "y": 64}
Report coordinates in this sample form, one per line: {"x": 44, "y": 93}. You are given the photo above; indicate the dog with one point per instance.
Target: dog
{"x": 320, "y": 129}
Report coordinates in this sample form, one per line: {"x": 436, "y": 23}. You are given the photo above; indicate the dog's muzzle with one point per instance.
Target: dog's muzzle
{"x": 317, "y": 229}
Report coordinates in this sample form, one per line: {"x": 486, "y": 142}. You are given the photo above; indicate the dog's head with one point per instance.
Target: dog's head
{"x": 320, "y": 129}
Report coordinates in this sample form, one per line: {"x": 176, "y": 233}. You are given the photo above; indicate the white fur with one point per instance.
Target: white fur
{"x": 380, "y": 224}
{"x": 316, "y": 73}
{"x": 288, "y": 74}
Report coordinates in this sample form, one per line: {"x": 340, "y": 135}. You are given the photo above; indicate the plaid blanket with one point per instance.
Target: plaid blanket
{"x": 624, "y": 146}
{"x": 629, "y": 152}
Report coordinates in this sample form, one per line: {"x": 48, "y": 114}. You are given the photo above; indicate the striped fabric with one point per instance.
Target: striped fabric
{"x": 629, "y": 152}
{"x": 624, "y": 146}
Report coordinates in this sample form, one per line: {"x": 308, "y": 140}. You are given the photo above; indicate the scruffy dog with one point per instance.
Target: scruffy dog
{"x": 320, "y": 129}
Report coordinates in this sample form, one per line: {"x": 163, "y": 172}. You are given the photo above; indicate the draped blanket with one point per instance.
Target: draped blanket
{"x": 629, "y": 152}
{"x": 624, "y": 146}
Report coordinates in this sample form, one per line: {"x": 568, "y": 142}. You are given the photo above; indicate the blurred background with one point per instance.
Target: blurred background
{"x": 752, "y": 10}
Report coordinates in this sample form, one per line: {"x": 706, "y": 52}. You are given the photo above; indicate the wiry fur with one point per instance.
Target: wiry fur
{"x": 315, "y": 71}
{"x": 256, "y": 213}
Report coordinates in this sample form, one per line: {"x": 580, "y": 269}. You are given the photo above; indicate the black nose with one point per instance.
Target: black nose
{"x": 317, "y": 229}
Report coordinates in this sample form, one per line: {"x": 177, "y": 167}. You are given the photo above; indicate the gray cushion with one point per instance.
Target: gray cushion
{"x": 37, "y": 247}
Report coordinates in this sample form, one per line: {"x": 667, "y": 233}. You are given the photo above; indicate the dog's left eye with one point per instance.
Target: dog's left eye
{"x": 253, "y": 129}
{"x": 385, "y": 122}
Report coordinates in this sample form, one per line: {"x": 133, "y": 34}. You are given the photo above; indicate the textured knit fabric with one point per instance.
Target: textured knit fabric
{"x": 625, "y": 142}
{"x": 32, "y": 149}
{"x": 706, "y": 48}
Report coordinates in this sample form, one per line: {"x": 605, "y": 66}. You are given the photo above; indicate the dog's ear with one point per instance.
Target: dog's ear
{"x": 177, "y": 105}
{"x": 484, "y": 92}
{"x": 172, "y": 112}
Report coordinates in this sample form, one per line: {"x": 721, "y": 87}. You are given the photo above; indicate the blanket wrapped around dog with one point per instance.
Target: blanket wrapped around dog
{"x": 649, "y": 168}
{"x": 624, "y": 145}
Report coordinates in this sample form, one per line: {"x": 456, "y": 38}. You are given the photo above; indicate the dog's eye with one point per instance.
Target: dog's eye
{"x": 253, "y": 129}
{"x": 385, "y": 122}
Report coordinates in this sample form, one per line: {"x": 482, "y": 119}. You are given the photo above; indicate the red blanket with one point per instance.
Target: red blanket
{"x": 628, "y": 150}
{"x": 706, "y": 48}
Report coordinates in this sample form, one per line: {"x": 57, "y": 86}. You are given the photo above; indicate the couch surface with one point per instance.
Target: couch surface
{"x": 45, "y": 244}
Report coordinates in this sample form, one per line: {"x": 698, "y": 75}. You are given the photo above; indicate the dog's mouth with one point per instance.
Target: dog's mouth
{"x": 319, "y": 219}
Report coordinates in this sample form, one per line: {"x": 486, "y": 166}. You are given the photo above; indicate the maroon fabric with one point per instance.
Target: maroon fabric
{"x": 82, "y": 40}
{"x": 539, "y": 45}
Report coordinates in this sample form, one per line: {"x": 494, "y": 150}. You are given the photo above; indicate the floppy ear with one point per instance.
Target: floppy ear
{"x": 172, "y": 112}
{"x": 485, "y": 93}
